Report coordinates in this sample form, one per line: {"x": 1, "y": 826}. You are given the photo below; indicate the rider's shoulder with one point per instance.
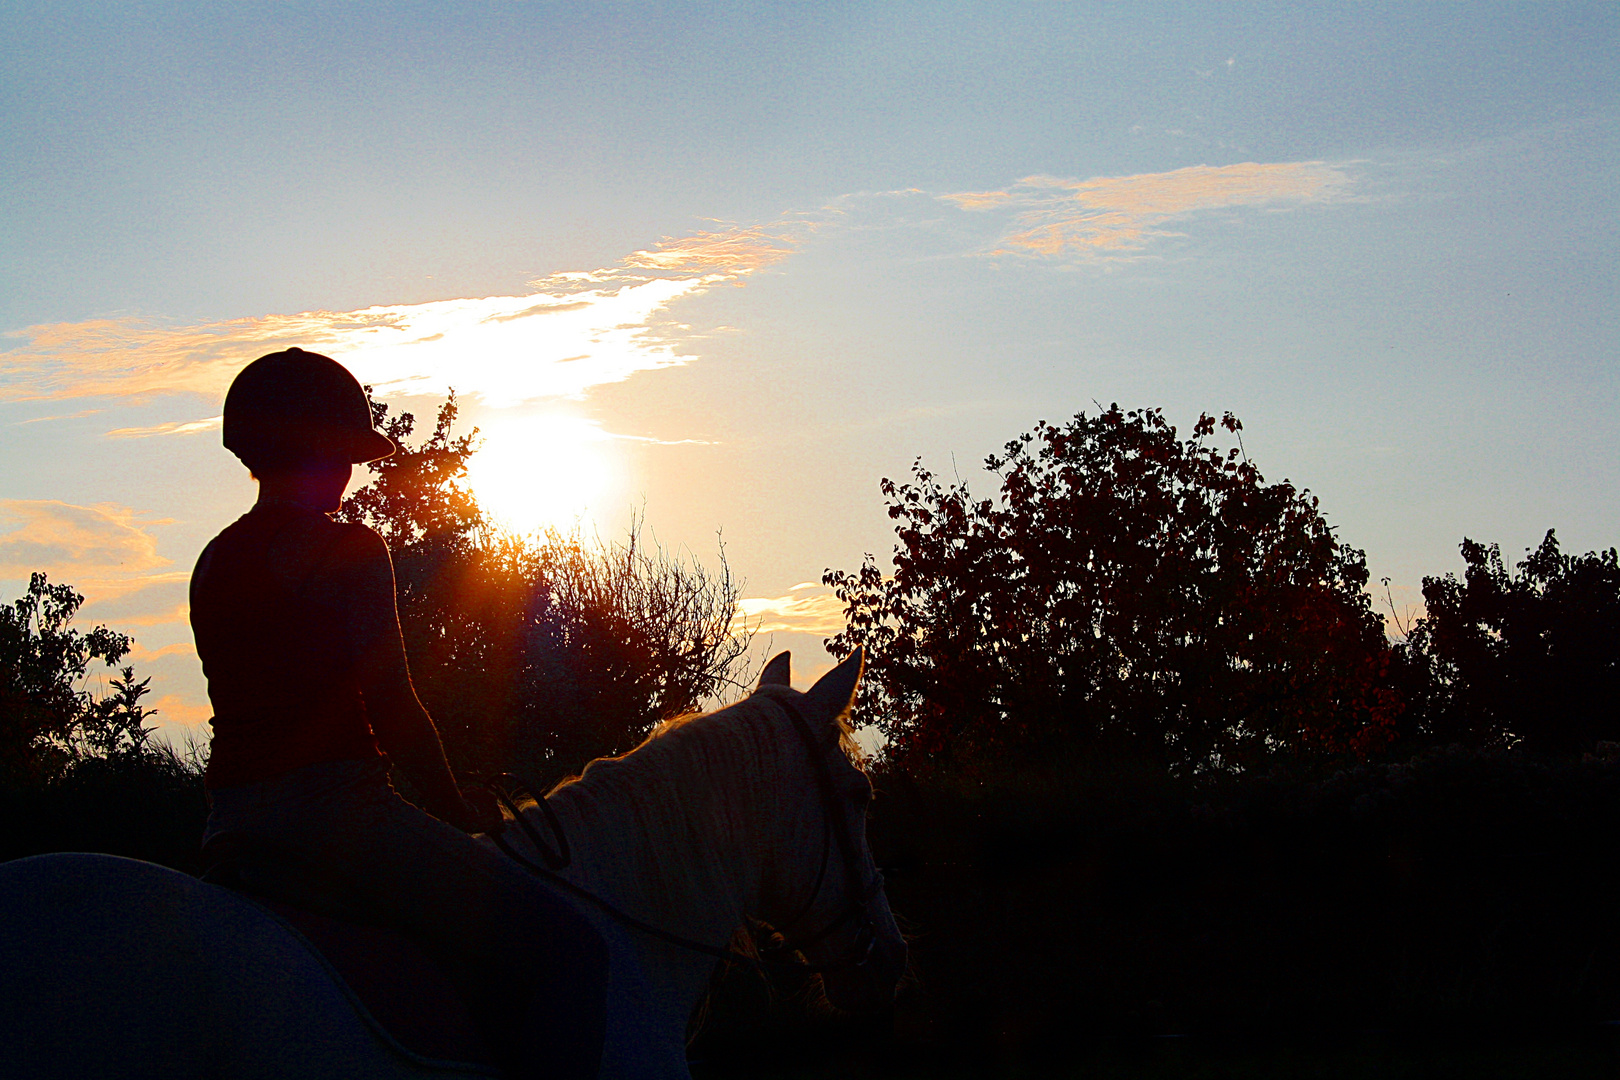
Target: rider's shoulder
{"x": 361, "y": 544}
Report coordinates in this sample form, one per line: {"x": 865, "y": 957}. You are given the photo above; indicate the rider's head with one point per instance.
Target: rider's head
{"x": 300, "y": 415}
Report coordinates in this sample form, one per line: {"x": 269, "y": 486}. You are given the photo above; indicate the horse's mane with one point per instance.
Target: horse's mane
{"x": 739, "y": 712}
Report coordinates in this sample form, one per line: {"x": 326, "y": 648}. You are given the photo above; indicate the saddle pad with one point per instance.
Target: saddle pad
{"x": 409, "y": 996}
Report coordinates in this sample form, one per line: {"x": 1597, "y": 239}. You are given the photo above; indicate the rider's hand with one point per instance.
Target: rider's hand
{"x": 479, "y": 813}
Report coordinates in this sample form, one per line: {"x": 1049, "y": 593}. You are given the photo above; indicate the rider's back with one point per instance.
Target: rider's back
{"x": 273, "y": 612}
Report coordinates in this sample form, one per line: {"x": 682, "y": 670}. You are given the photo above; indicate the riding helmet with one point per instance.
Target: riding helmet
{"x": 295, "y": 406}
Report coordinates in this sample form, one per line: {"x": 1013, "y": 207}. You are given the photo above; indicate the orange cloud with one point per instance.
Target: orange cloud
{"x": 168, "y": 616}
{"x": 1055, "y": 217}
{"x": 104, "y": 552}
{"x": 173, "y": 710}
{"x": 104, "y": 542}
{"x": 731, "y": 251}
{"x": 138, "y": 654}
{"x": 578, "y": 330}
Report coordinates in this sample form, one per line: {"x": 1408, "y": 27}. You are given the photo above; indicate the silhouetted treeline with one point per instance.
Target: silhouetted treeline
{"x": 1132, "y": 596}
{"x": 1529, "y": 656}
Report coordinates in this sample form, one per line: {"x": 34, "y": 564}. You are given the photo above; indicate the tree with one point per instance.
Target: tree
{"x": 48, "y": 722}
{"x": 1128, "y": 594}
{"x": 418, "y": 498}
{"x": 536, "y": 654}
{"x": 1528, "y": 657}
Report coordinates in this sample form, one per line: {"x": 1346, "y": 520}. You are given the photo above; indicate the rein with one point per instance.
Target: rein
{"x": 561, "y": 856}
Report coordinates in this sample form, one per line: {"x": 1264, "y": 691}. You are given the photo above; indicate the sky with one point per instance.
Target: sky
{"x": 726, "y": 266}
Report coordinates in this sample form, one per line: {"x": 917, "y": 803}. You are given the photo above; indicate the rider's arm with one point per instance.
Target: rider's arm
{"x": 403, "y": 727}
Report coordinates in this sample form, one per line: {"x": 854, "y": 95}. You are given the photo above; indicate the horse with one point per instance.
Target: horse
{"x": 111, "y": 967}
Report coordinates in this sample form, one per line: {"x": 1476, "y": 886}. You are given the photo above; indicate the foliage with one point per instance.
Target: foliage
{"x": 48, "y": 721}
{"x": 1129, "y": 593}
{"x": 418, "y": 497}
{"x": 535, "y": 654}
{"x": 1529, "y": 657}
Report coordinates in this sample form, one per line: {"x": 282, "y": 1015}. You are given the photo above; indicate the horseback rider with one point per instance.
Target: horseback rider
{"x": 295, "y": 622}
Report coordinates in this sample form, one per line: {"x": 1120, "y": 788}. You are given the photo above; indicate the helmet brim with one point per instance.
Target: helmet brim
{"x": 303, "y": 441}
{"x": 370, "y": 446}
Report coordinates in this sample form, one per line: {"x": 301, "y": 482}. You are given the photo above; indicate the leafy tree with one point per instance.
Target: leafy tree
{"x": 1129, "y": 593}
{"x": 537, "y": 654}
{"x": 418, "y": 498}
{"x": 48, "y": 721}
{"x": 1530, "y": 656}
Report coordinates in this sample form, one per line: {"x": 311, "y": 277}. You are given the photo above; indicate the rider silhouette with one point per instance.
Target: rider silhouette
{"x": 295, "y": 621}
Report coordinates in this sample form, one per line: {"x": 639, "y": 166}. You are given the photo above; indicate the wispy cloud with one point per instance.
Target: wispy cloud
{"x": 822, "y": 615}
{"x": 583, "y": 329}
{"x": 190, "y": 427}
{"x": 59, "y": 416}
{"x": 141, "y": 655}
{"x": 1114, "y": 216}
{"x": 174, "y": 710}
{"x": 733, "y": 251}
{"x": 170, "y": 615}
{"x": 103, "y": 551}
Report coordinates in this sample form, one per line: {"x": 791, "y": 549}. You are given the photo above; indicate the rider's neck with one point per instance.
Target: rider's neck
{"x": 313, "y": 487}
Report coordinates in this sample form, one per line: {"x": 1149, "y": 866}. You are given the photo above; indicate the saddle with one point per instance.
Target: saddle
{"x": 414, "y": 1000}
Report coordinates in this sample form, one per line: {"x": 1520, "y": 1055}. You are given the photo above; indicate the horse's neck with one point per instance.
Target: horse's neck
{"x": 672, "y": 835}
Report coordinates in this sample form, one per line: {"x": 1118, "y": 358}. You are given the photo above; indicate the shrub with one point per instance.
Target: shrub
{"x": 535, "y": 654}
{"x": 1530, "y": 656}
{"x": 48, "y": 722}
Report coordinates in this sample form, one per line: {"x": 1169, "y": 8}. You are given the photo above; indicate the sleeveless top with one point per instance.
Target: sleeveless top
{"x": 274, "y": 634}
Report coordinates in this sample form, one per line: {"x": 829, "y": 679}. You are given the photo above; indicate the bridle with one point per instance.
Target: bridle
{"x": 834, "y": 829}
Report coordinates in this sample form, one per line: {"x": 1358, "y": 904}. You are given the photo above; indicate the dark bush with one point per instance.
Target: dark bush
{"x": 535, "y": 654}
{"x": 80, "y": 772}
{"x": 48, "y": 721}
{"x": 1529, "y": 656}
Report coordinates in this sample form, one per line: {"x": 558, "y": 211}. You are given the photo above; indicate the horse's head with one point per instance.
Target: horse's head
{"x": 829, "y": 903}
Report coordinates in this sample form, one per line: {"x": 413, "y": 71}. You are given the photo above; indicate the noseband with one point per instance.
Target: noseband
{"x": 834, "y": 829}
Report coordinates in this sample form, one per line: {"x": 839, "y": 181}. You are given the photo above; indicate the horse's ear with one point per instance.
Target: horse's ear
{"x": 779, "y": 672}
{"x": 834, "y": 692}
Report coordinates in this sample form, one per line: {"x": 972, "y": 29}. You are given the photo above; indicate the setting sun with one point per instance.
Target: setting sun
{"x": 541, "y": 471}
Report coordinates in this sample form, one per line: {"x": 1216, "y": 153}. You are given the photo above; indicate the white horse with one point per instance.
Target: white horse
{"x": 116, "y": 968}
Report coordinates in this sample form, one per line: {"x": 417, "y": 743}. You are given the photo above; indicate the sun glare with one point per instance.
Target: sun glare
{"x": 542, "y": 471}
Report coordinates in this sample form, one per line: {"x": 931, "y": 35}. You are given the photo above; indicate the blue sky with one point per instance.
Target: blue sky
{"x": 733, "y": 263}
